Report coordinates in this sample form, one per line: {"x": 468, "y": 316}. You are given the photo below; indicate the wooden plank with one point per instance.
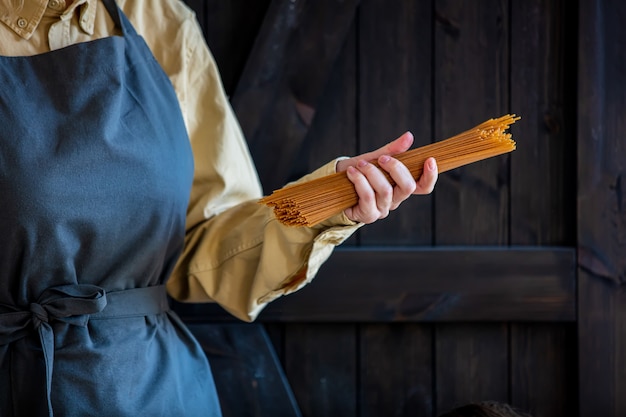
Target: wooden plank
{"x": 471, "y": 85}
{"x": 543, "y": 358}
{"x": 601, "y": 208}
{"x": 542, "y": 196}
{"x": 395, "y": 72}
{"x": 471, "y": 364}
{"x": 396, "y": 370}
{"x": 230, "y": 29}
{"x": 429, "y": 285}
{"x": 333, "y": 131}
{"x": 440, "y": 285}
{"x": 543, "y": 368}
{"x": 321, "y": 361}
{"x": 321, "y": 364}
{"x": 263, "y": 74}
{"x": 288, "y": 68}
{"x": 248, "y": 376}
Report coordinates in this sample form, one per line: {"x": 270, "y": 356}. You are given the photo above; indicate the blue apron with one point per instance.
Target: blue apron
{"x": 95, "y": 175}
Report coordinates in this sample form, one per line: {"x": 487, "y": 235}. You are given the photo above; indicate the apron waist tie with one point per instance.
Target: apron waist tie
{"x": 76, "y": 305}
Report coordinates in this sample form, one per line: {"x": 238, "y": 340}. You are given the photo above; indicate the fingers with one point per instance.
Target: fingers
{"x": 373, "y": 190}
{"x": 377, "y": 197}
{"x": 405, "y": 185}
{"x": 399, "y": 145}
{"x": 428, "y": 179}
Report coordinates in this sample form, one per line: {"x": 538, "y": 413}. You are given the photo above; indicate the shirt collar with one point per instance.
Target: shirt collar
{"x": 24, "y": 19}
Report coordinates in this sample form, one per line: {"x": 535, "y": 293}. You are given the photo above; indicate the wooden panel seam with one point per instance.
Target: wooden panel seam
{"x": 428, "y": 285}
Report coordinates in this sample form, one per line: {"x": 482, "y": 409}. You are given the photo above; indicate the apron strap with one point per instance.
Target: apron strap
{"x": 114, "y": 11}
{"x": 134, "y": 302}
{"x": 119, "y": 18}
{"x": 76, "y": 305}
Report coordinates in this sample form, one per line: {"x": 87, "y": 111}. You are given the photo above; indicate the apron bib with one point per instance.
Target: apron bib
{"x": 95, "y": 174}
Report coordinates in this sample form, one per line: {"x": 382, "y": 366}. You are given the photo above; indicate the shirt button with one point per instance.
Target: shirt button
{"x": 54, "y": 4}
{"x": 21, "y": 23}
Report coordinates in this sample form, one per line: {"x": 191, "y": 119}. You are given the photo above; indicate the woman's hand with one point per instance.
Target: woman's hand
{"x": 377, "y": 197}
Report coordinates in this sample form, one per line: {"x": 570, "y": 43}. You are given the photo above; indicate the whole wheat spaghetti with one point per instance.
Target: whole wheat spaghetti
{"x": 309, "y": 203}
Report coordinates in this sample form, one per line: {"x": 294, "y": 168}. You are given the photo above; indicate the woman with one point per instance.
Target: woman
{"x": 122, "y": 168}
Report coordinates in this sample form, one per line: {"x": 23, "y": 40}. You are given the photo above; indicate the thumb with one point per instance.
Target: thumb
{"x": 399, "y": 145}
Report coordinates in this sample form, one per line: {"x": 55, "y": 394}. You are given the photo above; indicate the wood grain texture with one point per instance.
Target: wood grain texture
{"x": 543, "y": 356}
{"x": 471, "y": 364}
{"x": 394, "y": 87}
{"x": 333, "y": 130}
{"x": 436, "y": 68}
{"x": 602, "y": 208}
{"x": 543, "y": 369}
{"x": 321, "y": 364}
{"x": 468, "y": 284}
{"x": 230, "y": 28}
{"x": 396, "y": 370}
{"x": 286, "y": 72}
{"x": 543, "y": 167}
{"x": 471, "y": 85}
{"x": 471, "y": 80}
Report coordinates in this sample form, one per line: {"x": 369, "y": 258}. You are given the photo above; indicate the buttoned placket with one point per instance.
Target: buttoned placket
{"x": 23, "y": 20}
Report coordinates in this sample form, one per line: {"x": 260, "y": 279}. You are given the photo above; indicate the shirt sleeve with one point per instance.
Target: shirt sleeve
{"x": 236, "y": 253}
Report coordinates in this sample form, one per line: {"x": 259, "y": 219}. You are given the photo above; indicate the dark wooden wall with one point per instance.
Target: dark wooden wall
{"x": 505, "y": 283}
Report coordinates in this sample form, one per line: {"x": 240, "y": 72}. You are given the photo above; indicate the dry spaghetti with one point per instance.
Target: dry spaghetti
{"x": 309, "y": 203}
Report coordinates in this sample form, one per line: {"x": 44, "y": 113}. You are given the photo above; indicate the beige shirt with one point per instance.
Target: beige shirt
{"x": 236, "y": 253}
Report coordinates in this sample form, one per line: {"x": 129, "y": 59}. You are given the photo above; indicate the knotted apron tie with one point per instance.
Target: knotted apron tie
{"x": 76, "y": 305}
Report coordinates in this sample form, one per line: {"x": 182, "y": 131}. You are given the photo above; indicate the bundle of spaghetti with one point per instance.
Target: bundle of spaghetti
{"x": 309, "y": 203}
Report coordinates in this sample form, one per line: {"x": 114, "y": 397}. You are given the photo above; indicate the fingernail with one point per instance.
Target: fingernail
{"x": 351, "y": 170}
{"x": 431, "y": 165}
{"x": 361, "y": 163}
{"x": 384, "y": 159}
